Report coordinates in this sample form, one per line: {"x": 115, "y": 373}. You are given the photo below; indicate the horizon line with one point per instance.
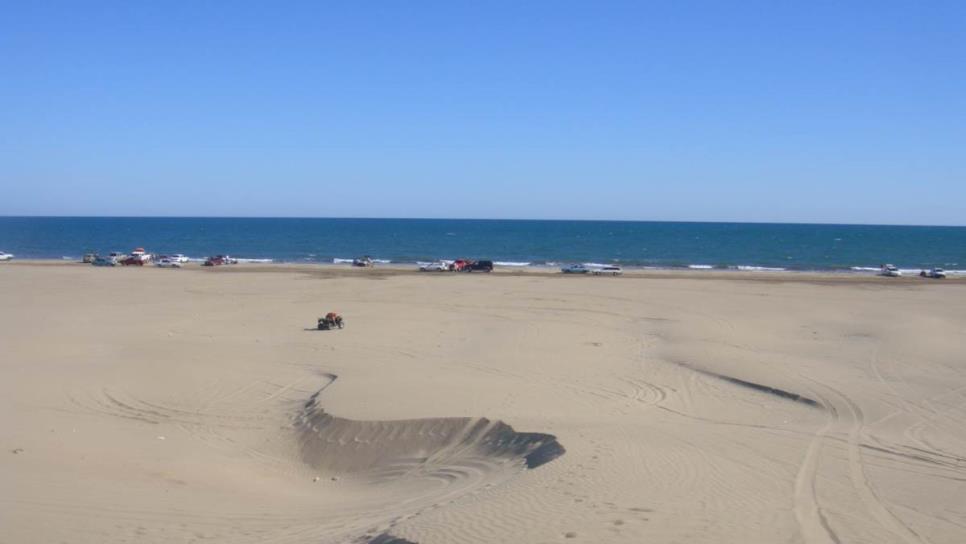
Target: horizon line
{"x": 688, "y": 221}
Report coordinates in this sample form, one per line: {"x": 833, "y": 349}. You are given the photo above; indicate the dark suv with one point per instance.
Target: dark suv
{"x": 480, "y": 266}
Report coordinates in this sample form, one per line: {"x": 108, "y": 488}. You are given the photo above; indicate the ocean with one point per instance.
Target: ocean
{"x": 752, "y": 246}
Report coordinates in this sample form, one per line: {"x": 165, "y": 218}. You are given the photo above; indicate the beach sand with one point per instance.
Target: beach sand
{"x": 149, "y": 405}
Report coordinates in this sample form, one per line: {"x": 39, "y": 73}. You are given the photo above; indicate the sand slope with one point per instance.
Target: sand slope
{"x": 160, "y": 405}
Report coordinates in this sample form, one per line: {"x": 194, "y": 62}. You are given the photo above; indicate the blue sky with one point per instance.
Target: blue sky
{"x": 747, "y": 111}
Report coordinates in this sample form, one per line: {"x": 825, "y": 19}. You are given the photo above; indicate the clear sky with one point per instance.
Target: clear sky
{"x": 817, "y": 111}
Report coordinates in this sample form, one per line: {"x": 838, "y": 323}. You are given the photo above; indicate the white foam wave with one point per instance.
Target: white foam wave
{"x": 255, "y": 260}
{"x": 748, "y": 268}
{"x": 350, "y": 261}
{"x": 700, "y": 266}
{"x": 510, "y": 263}
{"x": 908, "y": 271}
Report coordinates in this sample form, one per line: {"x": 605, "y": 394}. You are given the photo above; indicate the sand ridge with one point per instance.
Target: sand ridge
{"x": 421, "y": 462}
{"x": 445, "y": 448}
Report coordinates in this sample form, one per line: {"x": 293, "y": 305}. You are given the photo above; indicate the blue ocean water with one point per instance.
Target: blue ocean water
{"x": 658, "y": 244}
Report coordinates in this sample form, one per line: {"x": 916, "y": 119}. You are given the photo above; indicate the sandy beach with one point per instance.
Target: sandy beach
{"x": 193, "y": 405}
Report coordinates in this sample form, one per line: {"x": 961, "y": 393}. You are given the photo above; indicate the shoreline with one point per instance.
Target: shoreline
{"x": 651, "y": 246}
{"x": 549, "y": 266}
{"x": 401, "y": 269}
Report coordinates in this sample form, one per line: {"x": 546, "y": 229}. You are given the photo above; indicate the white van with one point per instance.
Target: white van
{"x": 609, "y": 270}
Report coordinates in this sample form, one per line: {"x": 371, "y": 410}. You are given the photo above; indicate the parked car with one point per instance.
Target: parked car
{"x": 480, "y": 266}
{"x": 110, "y": 260}
{"x": 890, "y": 270}
{"x": 177, "y": 257}
{"x": 459, "y": 265}
{"x": 364, "y": 261}
{"x": 217, "y": 260}
{"x": 168, "y": 262}
{"x": 575, "y": 269}
{"x": 89, "y": 258}
{"x": 609, "y": 270}
{"x": 935, "y": 273}
{"x": 4, "y": 256}
{"x": 436, "y": 266}
{"x": 138, "y": 257}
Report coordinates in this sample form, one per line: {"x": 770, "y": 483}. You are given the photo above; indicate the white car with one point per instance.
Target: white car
{"x": 5, "y": 256}
{"x": 935, "y": 273}
{"x": 609, "y": 270}
{"x": 436, "y": 266}
{"x": 575, "y": 269}
{"x": 177, "y": 257}
{"x": 110, "y": 260}
{"x": 890, "y": 270}
{"x": 168, "y": 262}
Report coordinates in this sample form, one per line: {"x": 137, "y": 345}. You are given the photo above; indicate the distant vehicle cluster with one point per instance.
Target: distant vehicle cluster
{"x": 140, "y": 257}
{"x": 219, "y": 260}
{"x": 892, "y": 271}
{"x": 596, "y": 270}
{"x": 458, "y": 265}
{"x": 466, "y": 265}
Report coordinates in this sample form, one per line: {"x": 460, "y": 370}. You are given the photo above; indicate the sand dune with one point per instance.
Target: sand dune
{"x": 194, "y": 406}
{"x": 386, "y": 470}
{"x": 446, "y": 449}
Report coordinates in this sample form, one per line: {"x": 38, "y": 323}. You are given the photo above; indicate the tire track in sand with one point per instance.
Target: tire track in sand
{"x": 860, "y": 481}
{"x": 808, "y": 512}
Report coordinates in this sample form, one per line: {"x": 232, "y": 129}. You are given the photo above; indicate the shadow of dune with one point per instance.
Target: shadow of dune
{"x": 447, "y": 448}
{"x": 435, "y": 459}
{"x": 781, "y": 393}
{"x": 762, "y": 388}
{"x": 386, "y": 538}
